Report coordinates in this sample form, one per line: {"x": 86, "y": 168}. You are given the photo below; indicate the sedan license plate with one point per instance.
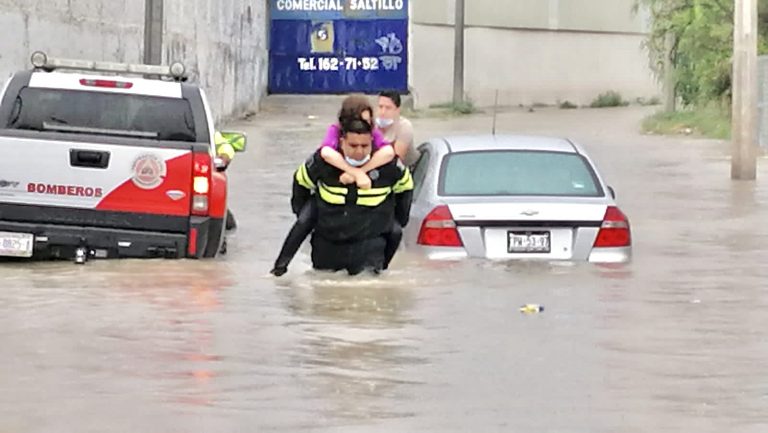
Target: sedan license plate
{"x": 16, "y": 244}
{"x": 528, "y": 242}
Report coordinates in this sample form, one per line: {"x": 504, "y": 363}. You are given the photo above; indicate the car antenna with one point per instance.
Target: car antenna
{"x": 495, "y": 107}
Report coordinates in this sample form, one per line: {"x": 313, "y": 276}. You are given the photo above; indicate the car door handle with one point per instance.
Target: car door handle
{"x": 88, "y": 158}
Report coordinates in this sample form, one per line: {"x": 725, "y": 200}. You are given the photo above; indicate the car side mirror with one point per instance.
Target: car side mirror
{"x": 238, "y": 140}
{"x": 612, "y": 192}
{"x": 220, "y": 164}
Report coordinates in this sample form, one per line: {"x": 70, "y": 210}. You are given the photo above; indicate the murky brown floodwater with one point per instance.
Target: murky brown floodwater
{"x": 676, "y": 342}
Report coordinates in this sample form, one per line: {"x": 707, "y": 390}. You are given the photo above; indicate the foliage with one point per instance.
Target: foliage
{"x": 703, "y": 44}
{"x": 465, "y": 107}
{"x": 647, "y": 102}
{"x": 609, "y": 99}
{"x": 709, "y": 121}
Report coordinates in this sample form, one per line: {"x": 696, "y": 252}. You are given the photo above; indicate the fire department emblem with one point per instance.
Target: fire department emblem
{"x": 148, "y": 171}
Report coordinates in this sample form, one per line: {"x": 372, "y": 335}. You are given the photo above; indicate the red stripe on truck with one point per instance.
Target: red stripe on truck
{"x": 217, "y": 207}
{"x": 192, "y": 246}
{"x": 149, "y": 192}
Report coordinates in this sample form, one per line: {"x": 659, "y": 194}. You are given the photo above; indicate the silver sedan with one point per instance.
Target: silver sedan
{"x": 514, "y": 197}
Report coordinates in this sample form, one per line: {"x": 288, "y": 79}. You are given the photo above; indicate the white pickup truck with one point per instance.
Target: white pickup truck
{"x": 108, "y": 160}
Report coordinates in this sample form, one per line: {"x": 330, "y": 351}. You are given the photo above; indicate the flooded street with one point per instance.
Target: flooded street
{"x": 674, "y": 342}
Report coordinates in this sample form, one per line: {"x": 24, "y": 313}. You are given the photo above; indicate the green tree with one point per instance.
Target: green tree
{"x": 703, "y": 35}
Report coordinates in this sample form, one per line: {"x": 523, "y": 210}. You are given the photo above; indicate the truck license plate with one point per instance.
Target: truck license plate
{"x": 16, "y": 244}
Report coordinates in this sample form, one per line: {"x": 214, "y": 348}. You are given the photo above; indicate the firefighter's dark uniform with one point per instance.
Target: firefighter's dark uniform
{"x": 352, "y": 225}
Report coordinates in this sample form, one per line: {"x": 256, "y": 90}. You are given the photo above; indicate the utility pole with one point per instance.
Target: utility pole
{"x": 458, "y": 55}
{"x": 744, "y": 100}
{"x": 153, "y": 32}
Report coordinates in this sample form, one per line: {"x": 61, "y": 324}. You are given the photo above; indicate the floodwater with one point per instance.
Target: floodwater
{"x": 674, "y": 342}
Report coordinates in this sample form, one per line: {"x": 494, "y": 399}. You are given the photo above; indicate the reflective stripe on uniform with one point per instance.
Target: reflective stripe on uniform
{"x": 372, "y": 201}
{"x": 372, "y": 197}
{"x": 404, "y": 184}
{"x": 365, "y": 197}
{"x": 302, "y": 177}
{"x": 335, "y": 189}
{"x": 374, "y": 191}
{"x": 330, "y": 197}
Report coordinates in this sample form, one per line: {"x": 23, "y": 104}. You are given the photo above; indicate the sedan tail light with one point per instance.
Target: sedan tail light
{"x": 615, "y": 231}
{"x": 439, "y": 229}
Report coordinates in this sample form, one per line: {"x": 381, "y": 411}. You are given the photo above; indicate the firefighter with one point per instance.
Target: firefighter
{"x": 226, "y": 146}
{"x": 352, "y": 229}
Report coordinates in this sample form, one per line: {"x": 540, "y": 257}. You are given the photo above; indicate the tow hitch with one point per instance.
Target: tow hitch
{"x": 81, "y": 255}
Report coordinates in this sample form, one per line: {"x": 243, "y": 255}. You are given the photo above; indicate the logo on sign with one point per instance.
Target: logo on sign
{"x": 391, "y": 48}
{"x": 148, "y": 171}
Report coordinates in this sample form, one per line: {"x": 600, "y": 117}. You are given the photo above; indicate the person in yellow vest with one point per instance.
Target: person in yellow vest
{"x": 226, "y": 146}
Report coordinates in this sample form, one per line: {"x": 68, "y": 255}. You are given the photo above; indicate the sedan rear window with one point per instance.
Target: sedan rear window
{"x": 524, "y": 173}
{"x": 97, "y": 113}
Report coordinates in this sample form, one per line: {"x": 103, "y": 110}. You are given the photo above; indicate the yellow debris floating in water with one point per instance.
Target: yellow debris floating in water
{"x": 531, "y": 308}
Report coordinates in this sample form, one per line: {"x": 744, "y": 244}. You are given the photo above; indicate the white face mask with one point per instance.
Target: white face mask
{"x": 357, "y": 163}
{"x": 384, "y": 123}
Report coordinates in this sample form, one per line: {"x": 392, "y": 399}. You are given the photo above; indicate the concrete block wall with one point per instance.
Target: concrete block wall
{"x": 531, "y": 51}
{"x": 222, "y": 42}
{"x": 530, "y": 67}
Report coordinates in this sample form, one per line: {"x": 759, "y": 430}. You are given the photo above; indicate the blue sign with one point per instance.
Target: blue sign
{"x": 339, "y": 9}
{"x": 338, "y": 46}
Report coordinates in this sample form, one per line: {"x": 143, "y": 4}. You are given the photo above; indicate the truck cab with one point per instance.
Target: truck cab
{"x": 108, "y": 160}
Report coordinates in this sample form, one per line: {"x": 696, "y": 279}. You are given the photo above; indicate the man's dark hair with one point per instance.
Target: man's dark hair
{"x": 393, "y": 95}
{"x": 356, "y": 126}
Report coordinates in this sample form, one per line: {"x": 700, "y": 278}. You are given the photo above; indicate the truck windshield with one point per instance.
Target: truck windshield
{"x": 101, "y": 113}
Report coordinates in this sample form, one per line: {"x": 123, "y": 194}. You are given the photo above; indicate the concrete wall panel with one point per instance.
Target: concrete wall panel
{"x": 508, "y": 13}
{"x": 598, "y": 16}
{"x": 530, "y": 66}
{"x": 223, "y": 42}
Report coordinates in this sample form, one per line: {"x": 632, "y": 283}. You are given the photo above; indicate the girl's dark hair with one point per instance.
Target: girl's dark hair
{"x": 353, "y": 107}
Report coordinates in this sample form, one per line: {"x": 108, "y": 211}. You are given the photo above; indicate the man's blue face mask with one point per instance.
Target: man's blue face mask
{"x": 357, "y": 162}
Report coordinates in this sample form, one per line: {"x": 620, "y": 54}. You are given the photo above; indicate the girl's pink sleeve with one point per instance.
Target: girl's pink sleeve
{"x": 331, "y": 137}
{"x": 378, "y": 139}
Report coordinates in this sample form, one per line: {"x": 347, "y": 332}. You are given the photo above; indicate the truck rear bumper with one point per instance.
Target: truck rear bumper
{"x": 57, "y": 241}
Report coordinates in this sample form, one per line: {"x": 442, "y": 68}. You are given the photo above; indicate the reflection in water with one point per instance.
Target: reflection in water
{"x": 674, "y": 342}
{"x": 194, "y": 356}
{"x": 355, "y": 341}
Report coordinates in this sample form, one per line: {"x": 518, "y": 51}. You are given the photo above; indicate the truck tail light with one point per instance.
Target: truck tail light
{"x": 201, "y": 183}
{"x": 110, "y": 84}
